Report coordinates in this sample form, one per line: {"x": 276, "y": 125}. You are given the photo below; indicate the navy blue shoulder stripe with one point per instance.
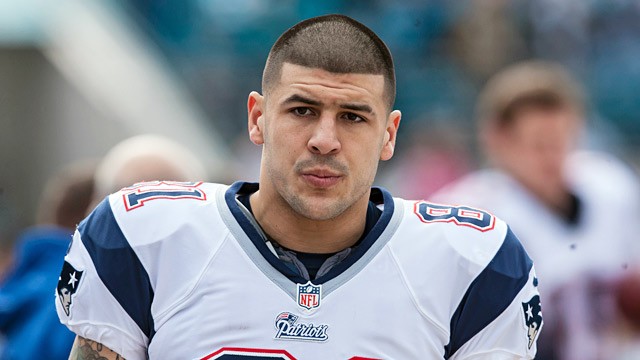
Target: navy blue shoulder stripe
{"x": 490, "y": 293}
{"x": 118, "y": 266}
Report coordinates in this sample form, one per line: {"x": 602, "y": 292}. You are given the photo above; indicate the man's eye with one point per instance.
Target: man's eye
{"x": 353, "y": 117}
{"x": 302, "y": 111}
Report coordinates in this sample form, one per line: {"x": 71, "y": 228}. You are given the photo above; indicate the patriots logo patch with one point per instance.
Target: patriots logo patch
{"x": 68, "y": 285}
{"x": 532, "y": 318}
{"x": 290, "y": 329}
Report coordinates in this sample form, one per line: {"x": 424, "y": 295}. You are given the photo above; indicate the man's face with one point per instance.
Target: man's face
{"x": 323, "y": 135}
{"x": 534, "y": 147}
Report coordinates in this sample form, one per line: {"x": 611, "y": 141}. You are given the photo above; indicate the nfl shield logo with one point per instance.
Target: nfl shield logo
{"x": 309, "y": 295}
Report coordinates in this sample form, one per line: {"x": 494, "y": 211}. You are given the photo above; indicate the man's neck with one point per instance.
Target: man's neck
{"x": 561, "y": 201}
{"x": 295, "y": 232}
{"x": 566, "y": 205}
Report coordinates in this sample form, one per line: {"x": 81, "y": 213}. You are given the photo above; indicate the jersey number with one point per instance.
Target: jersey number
{"x": 135, "y": 196}
{"x": 229, "y": 353}
{"x": 459, "y": 215}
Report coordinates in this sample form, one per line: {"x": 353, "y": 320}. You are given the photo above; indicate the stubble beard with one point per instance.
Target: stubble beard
{"x": 306, "y": 207}
{"x": 322, "y": 209}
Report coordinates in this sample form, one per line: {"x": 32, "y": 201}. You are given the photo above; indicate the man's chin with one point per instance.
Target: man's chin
{"x": 319, "y": 209}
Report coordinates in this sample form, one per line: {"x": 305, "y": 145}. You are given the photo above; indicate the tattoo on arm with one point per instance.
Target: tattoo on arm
{"x": 85, "y": 349}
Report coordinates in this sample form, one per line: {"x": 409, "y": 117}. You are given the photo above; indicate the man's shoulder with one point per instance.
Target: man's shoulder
{"x": 450, "y": 246}
{"x": 448, "y": 253}
{"x": 585, "y": 171}
{"x": 150, "y": 197}
{"x": 163, "y": 198}
{"x": 164, "y": 234}
{"x": 470, "y": 233}
{"x": 151, "y": 211}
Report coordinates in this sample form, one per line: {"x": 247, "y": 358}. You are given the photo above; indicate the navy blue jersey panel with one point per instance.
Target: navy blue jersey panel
{"x": 491, "y": 292}
{"x": 118, "y": 266}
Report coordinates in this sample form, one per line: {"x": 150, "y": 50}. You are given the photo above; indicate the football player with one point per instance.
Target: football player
{"x": 568, "y": 206}
{"x": 312, "y": 262}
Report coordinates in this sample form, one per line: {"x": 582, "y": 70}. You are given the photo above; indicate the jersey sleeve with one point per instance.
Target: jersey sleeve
{"x": 103, "y": 292}
{"x": 500, "y": 315}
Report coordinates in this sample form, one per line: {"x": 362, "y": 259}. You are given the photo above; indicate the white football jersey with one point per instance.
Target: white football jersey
{"x": 577, "y": 261}
{"x": 600, "y": 242}
{"x": 181, "y": 271}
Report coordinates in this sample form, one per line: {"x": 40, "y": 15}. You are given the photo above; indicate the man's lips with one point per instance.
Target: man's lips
{"x": 321, "y": 178}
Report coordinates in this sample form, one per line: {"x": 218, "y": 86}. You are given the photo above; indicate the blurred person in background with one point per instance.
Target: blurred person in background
{"x": 569, "y": 207}
{"x": 29, "y": 328}
{"x": 146, "y": 157}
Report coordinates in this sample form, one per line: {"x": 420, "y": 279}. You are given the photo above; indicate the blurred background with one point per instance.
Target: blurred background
{"x": 76, "y": 77}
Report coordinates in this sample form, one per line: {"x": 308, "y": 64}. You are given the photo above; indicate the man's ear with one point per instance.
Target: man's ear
{"x": 255, "y": 109}
{"x": 389, "y": 143}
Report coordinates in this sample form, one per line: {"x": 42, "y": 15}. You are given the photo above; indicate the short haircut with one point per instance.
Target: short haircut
{"x": 536, "y": 83}
{"x": 335, "y": 43}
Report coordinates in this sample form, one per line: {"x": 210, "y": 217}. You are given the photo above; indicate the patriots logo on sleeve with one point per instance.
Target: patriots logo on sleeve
{"x": 68, "y": 285}
{"x": 533, "y": 318}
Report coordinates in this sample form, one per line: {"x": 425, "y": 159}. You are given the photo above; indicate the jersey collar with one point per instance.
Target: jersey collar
{"x": 378, "y": 195}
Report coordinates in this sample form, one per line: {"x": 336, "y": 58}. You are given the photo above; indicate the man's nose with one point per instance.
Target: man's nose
{"x": 324, "y": 139}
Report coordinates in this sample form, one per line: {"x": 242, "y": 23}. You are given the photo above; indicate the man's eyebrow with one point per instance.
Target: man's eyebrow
{"x": 295, "y": 98}
{"x": 358, "y": 107}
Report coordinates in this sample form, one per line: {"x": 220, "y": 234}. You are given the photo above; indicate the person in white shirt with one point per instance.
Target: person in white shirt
{"x": 567, "y": 205}
{"x": 312, "y": 262}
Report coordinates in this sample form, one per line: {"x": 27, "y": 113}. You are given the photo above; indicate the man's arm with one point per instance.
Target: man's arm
{"x": 88, "y": 349}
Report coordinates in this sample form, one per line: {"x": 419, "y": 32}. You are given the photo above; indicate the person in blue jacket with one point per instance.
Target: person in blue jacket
{"x": 29, "y": 326}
